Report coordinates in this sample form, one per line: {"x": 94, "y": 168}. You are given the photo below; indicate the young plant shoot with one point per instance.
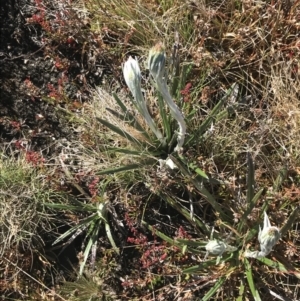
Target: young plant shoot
{"x": 132, "y": 76}
{"x": 156, "y": 65}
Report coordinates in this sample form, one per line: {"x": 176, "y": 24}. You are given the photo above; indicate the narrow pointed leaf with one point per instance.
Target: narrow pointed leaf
{"x": 292, "y": 218}
{"x": 214, "y": 289}
{"x": 110, "y": 237}
{"x": 165, "y": 119}
{"x": 92, "y": 240}
{"x": 192, "y": 243}
{"x": 129, "y": 117}
{"x": 199, "y": 186}
{"x": 117, "y": 114}
{"x": 194, "y": 167}
{"x": 249, "y": 277}
{"x": 162, "y": 235}
{"x": 175, "y": 72}
{"x": 280, "y": 178}
{"x": 251, "y": 205}
{"x": 182, "y": 210}
{"x": 172, "y": 142}
{"x": 200, "y": 172}
{"x": 84, "y": 222}
{"x": 109, "y": 171}
{"x": 241, "y": 292}
{"x": 129, "y": 151}
{"x": 85, "y": 255}
{"x": 119, "y": 131}
{"x": 250, "y": 178}
{"x": 200, "y": 267}
{"x": 130, "y": 120}
{"x": 209, "y": 119}
{"x": 186, "y": 70}
{"x": 82, "y": 208}
{"x": 280, "y": 267}
{"x": 124, "y": 168}
{"x": 191, "y": 114}
{"x": 120, "y": 103}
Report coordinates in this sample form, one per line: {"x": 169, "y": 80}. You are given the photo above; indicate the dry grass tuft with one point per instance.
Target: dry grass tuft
{"x": 134, "y": 26}
{"x": 25, "y": 225}
{"x": 92, "y": 148}
{"x": 22, "y": 193}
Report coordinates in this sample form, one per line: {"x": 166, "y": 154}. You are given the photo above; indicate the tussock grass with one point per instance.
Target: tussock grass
{"x": 25, "y": 225}
{"x": 23, "y": 191}
{"x": 134, "y": 26}
{"x": 96, "y": 143}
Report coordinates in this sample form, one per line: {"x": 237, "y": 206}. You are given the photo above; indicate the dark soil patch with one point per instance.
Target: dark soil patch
{"x": 24, "y": 77}
{"x": 36, "y": 76}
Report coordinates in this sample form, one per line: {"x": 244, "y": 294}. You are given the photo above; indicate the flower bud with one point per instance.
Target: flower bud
{"x": 269, "y": 236}
{"x": 156, "y": 65}
{"x": 157, "y": 61}
{"x": 132, "y": 75}
{"x": 215, "y": 247}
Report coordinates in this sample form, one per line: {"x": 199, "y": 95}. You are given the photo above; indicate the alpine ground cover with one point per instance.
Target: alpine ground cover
{"x": 124, "y": 204}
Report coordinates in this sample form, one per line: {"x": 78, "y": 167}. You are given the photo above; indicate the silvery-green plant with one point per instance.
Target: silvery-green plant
{"x": 144, "y": 146}
{"x": 233, "y": 256}
{"x": 132, "y": 76}
{"x": 150, "y": 149}
{"x": 97, "y": 216}
{"x": 217, "y": 247}
{"x": 156, "y": 64}
{"x": 267, "y": 237}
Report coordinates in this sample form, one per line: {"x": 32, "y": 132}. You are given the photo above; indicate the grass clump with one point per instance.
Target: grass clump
{"x": 138, "y": 26}
{"x": 23, "y": 191}
{"x": 25, "y": 225}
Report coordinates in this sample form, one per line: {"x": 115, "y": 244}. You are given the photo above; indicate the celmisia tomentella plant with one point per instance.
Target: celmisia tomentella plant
{"x": 267, "y": 237}
{"x": 132, "y": 75}
{"x": 156, "y": 65}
